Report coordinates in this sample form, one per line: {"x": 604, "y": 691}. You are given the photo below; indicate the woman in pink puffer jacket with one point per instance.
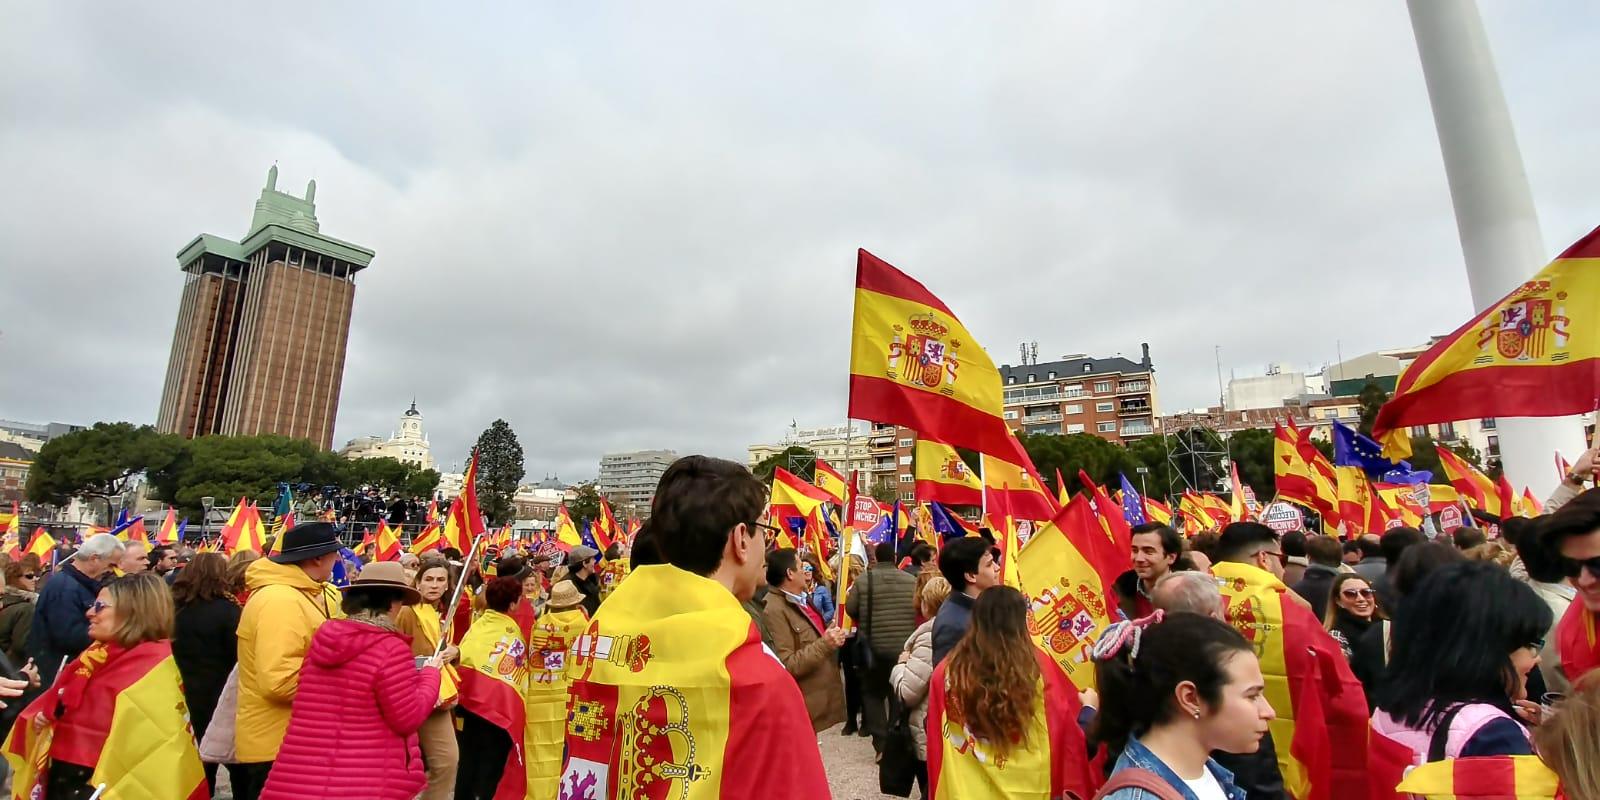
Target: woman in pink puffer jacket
{"x": 353, "y": 727}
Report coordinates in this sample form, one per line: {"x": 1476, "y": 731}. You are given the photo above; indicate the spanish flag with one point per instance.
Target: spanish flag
{"x": 1109, "y": 514}
{"x": 146, "y": 750}
{"x": 1195, "y": 517}
{"x": 912, "y": 363}
{"x": 831, "y": 481}
{"x": 1483, "y": 778}
{"x": 1535, "y": 353}
{"x": 41, "y": 544}
{"x": 1321, "y": 729}
{"x": 1577, "y": 642}
{"x": 544, "y": 735}
{"x": 431, "y": 538}
{"x": 605, "y": 529}
{"x": 673, "y": 695}
{"x": 1475, "y": 487}
{"x": 1361, "y": 508}
{"x": 464, "y": 523}
{"x": 11, "y": 524}
{"x": 1298, "y": 480}
{"x": 1051, "y": 762}
{"x": 792, "y": 497}
{"x": 1026, "y": 494}
{"x": 388, "y": 543}
{"x": 1157, "y": 511}
{"x": 567, "y": 536}
{"x": 494, "y": 681}
{"x": 1401, "y": 500}
{"x": 169, "y": 532}
{"x": 942, "y": 476}
{"x": 1067, "y": 595}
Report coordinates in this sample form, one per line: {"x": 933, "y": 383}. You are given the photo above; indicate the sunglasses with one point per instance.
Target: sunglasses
{"x": 1353, "y": 593}
{"x": 99, "y": 606}
{"x": 1572, "y": 567}
{"x": 29, "y": 575}
{"x": 807, "y": 569}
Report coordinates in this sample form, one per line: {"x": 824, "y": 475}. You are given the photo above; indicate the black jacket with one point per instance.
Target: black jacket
{"x": 590, "y": 587}
{"x": 60, "y": 629}
{"x": 205, "y": 643}
{"x": 1256, "y": 773}
{"x": 1316, "y": 586}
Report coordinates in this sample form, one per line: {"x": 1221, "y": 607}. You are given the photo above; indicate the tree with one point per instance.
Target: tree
{"x": 1103, "y": 461}
{"x": 500, "y": 470}
{"x": 390, "y": 475}
{"x": 799, "y": 460}
{"x": 586, "y": 506}
{"x": 231, "y": 467}
{"x": 1372, "y": 398}
{"x": 99, "y": 462}
{"x": 884, "y": 491}
{"x": 1252, "y": 451}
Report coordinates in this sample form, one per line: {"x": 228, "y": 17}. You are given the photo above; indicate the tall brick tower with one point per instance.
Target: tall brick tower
{"x": 262, "y": 326}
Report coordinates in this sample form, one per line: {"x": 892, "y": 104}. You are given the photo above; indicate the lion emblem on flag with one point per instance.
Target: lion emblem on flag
{"x": 1065, "y": 620}
{"x": 954, "y": 469}
{"x": 1523, "y": 329}
{"x": 925, "y": 356}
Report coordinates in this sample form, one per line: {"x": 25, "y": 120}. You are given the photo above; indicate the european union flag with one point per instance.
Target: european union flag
{"x": 1132, "y": 503}
{"x": 945, "y": 523}
{"x": 587, "y": 536}
{"x": 883, "y": 531}
{"x": 347, "y": 565}
{"x": 1352, "y": 449}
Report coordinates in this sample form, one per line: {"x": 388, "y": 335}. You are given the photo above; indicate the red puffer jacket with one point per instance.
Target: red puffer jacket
{"x": 353, "y": 729}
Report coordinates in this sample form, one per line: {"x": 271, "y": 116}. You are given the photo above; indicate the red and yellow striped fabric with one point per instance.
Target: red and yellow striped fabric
{"x": 832, "y": 481}
{"x": 912, "y": 363}
{"x": 1480, "y": 493}
{"x": 1068, "y": 593}
{"x": 673, "y": 695}
{"x": 1535, "y": 353}
{"x": 1483, "y": 778}
{"x": 942, "y": 477}
{"x": 1052, "y": 763}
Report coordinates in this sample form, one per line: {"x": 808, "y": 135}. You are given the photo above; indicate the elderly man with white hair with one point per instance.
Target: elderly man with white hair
{"x": 134, "y": 559}
{"x": 60, "y": 625}
{"x": 1195, "y": 592}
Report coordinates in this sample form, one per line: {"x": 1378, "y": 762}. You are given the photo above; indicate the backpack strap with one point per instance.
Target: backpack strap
{"x": 1138, "y": 778}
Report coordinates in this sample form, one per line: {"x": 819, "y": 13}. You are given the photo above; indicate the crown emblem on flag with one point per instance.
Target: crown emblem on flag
{"x": 928, "y": 325}
{"x": 1523, "y": 327}
{"x": 659, "y": 746}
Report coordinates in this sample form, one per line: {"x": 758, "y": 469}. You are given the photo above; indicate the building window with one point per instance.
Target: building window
{"x": 905, "y": 461}
{"x": 1419, "y": 430}
{"x": 1088, "y": 368}
{"x": 1101, "y": 387}
{"x": 1075, "y": 408}
{"x": 1011, "y": 415}
{"x": 1447, "y": 431}
{"x": 1045, "y": 429}
{"x": 1076, "y": 427}
{"x": 1102, "y": 408}
{"x": 908, "y": 479}
{"x": 908, "y": 442}
{"x": 1106, "y": 427}
{"x": 907, "y": 497}
{"x": 1488, "y": 424}
{"x": 1032, "y": 377}
{"x": 1011, "y": 380}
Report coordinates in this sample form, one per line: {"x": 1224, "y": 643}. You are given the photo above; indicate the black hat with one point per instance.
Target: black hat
{"x": 305, "y": 541}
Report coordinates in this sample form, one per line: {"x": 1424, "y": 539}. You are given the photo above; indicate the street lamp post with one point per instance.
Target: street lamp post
{"x": 206, "y": 503}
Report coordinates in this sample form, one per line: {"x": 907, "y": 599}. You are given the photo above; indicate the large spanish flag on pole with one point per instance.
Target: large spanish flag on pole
{"x": 464, "y": 522}
{"x": 942, "y": 476}
{"x": 146, "y": 749}
{"x": 673, "y": 695}
{"x": 832, "y": 481}
{"x": 1535, "y": 353}
{"x": 1481, "y": 493}
{"x": 912, "y": 363}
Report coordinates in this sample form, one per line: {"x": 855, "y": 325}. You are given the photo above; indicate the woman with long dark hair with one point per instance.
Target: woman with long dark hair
{"x": 1173, "y": 689}
{"x": 1001, "y": 715}
{"x": 1462, "y": 646}
{"x": 1352, "y": 610}
{"x": 205, "y": 640}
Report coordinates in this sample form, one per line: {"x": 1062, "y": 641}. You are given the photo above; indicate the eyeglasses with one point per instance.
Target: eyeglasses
{"x": 1365, "y": 594}
{"x": 1278, "y": 554}
{"x": 1573, "y": 566}
{"x": 769, "y": 534}
{"x": 99, "y": 606}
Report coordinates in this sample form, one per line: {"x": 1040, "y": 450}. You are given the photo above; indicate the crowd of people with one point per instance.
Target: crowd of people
{"x": 706, "y": 660}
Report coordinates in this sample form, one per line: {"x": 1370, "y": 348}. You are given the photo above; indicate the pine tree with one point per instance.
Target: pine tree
{"x": 500, "y": 470}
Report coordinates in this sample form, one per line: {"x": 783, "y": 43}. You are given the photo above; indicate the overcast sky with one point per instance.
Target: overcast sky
{"x": 635, "y": 226}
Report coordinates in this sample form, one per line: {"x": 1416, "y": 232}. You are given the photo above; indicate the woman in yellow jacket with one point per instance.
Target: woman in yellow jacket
{"x": 421, "y": 622}
{"x": 563, "y": 621}
{"x": 290, "y": 598}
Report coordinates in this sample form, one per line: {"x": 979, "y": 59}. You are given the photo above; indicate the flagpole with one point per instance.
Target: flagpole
{"x": 455, "y": 597}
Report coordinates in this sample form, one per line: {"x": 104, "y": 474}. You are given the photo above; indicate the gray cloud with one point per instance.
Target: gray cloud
{"x": 635, "y": 226}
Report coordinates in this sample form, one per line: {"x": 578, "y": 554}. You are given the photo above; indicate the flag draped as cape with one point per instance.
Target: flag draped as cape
{"x": 545, "y": 734}
{"x": 494, "y": 679}
{"x": 674, "y": 696}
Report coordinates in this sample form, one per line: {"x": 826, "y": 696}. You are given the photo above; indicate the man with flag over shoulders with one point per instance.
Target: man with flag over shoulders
{"x": 673, "y": 694}
{"x": 1319, "y": 738}
{"x": 1572, "y": 533}
{"x": 60, "y": 629}
{"x": 290, "y": 598}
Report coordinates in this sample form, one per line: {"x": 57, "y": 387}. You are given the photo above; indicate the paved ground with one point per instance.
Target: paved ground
{"x": 852, "y": 774}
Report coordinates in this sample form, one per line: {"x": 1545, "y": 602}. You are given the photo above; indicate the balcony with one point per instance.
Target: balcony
{"x": 1040, "y": 419}
{"x": 1137, "y": 430}
{"x": 1133, "y": 409}
{"x": 1033, "y": 400}
{"x": 1134, "y": 387}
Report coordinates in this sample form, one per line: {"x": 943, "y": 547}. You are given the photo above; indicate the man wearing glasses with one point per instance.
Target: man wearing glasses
{"x": 673, "y": 644}
{"x": 1573, "y": 534}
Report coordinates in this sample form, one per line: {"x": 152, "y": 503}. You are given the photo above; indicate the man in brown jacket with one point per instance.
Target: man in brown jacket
{"x": 805, "y": 645}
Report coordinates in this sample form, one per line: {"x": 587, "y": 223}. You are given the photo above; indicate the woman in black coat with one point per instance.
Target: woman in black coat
{"x": 205, "y": 642}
